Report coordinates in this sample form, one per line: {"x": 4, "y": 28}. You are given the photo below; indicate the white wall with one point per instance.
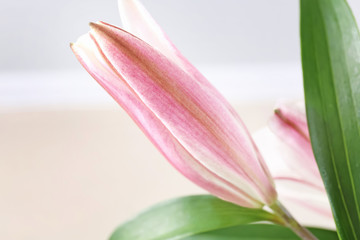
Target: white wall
{"x": 35, "y": 34}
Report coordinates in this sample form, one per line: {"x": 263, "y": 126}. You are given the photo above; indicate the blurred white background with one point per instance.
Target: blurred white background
{"x": 72, "y": 164}
{"x": 36, "y": 34}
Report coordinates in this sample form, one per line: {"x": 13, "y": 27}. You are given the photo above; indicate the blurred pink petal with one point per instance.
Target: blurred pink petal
{"x": 309, "y": 205}
{"x": 194, "y": 128}
{"x": 287, "y": 150}
{"x": 290, "y": 125}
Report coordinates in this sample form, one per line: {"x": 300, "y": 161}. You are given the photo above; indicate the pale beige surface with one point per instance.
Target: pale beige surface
{"x": 79, "y": 174}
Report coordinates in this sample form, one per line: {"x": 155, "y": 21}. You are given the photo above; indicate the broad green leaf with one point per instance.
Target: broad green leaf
{"x": 260, "y": 232}
{"x": 187, "y": 216}
{"x": 330, "y": 44}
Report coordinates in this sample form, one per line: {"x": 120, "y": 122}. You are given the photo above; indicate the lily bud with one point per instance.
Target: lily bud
{"x": 288, "y": 152}
{"x": 178, "y": 110}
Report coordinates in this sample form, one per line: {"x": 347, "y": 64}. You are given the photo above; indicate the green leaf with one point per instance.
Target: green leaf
{"x": 330, "y": 44}
{"x": 187, "y": 216}
{"x": 260, "y": 232}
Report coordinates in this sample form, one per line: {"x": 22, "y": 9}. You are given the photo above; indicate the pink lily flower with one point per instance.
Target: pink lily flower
{"x": 287, "y": 149}
{"x": 183, "y": 115}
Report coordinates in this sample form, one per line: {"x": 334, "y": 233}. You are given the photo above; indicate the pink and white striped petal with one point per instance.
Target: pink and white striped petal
{"x": 193, "y": 129}
{"x": 138, "y": 21}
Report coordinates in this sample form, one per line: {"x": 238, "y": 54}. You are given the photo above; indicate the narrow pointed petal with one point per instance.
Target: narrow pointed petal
{"x": 293, "y": 114}
{"x": 288, "y": 153}
{"x": 290, "y": 125}
{"x": 190, "y": 126}
{"x": 137, "y": 20}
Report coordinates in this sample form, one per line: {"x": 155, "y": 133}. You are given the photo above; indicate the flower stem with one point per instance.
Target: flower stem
{"x": 290, "y": 222}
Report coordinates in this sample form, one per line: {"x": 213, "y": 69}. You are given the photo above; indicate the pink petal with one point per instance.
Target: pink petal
{"x": 189, "y": 125}
{"x": 309, "y": 205}
{"x": 137, "y": 20}
{"x": 290, "y": 125}
{"x": 288, "y": 153}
